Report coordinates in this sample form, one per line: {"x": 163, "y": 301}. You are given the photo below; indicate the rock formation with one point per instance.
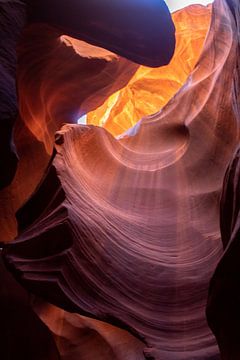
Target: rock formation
{"x": 23, "y": 335}
{"x": 223, "y": 300}
{"x": 79, "y": 337}
{"x": 140, "y": 31}
{"x": 150, "y": 89}
{"x": 121, "y": 26}
{"x": 12, "y": 20}
{"x": 121, "y": 234}
{"x": 126, "y": 231}
{"x": 92, "y": 74}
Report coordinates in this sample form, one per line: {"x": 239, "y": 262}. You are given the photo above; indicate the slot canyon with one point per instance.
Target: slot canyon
{"x": 119, "y": 188}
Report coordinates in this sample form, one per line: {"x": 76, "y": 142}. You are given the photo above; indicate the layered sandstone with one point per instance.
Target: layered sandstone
{"x": 126, "y": 230}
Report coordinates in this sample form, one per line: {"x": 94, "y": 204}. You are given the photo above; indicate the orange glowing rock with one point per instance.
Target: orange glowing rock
{"x": 150, "y": 89}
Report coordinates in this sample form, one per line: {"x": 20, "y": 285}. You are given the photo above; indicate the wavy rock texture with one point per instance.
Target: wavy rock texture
{"x": 91, "y": 75}
{"x": 99, "y": 73}
{"x": 150, "y": 89}
{"x": 126, "y": 231}
{"x": 84, "y": 76}
{"x": 104, "y": 24}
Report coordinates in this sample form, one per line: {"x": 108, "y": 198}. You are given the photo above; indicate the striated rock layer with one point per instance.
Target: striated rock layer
{"x": 126, "y": 231}
{"x": 145, "y": 35}
{"x": 90, "y": 76}
{"x": 85, "y": 76}
{"x": 63, "y": 82}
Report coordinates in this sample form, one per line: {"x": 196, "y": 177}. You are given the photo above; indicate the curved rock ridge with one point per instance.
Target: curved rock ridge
{"x": 145, "y": 34}
{"x": 129, "y": 231}
{"x": 142, "y": 31}
{"x": 84, "y": 76}
{"x": 43, "y": 110}
{"x": 93, "y": 74}
{"x": 150, "y": 89}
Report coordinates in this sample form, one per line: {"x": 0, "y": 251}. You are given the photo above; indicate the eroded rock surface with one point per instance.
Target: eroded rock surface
{"x": 129, "y": 233}
{"x": 144, "y": 34}
{"x": 150, "y": 89}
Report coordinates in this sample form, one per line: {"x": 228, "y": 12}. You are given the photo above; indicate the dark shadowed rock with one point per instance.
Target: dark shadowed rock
{"x": 23, "y": 334}
{"x": 223, "y": 311}
{"x": 12, "y": 20}
{"x": 141, "y": 31}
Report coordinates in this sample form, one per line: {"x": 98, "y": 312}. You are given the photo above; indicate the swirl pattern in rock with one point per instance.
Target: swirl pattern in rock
{"x": 128, "y": 231}
{"x": 114, "y": 25}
